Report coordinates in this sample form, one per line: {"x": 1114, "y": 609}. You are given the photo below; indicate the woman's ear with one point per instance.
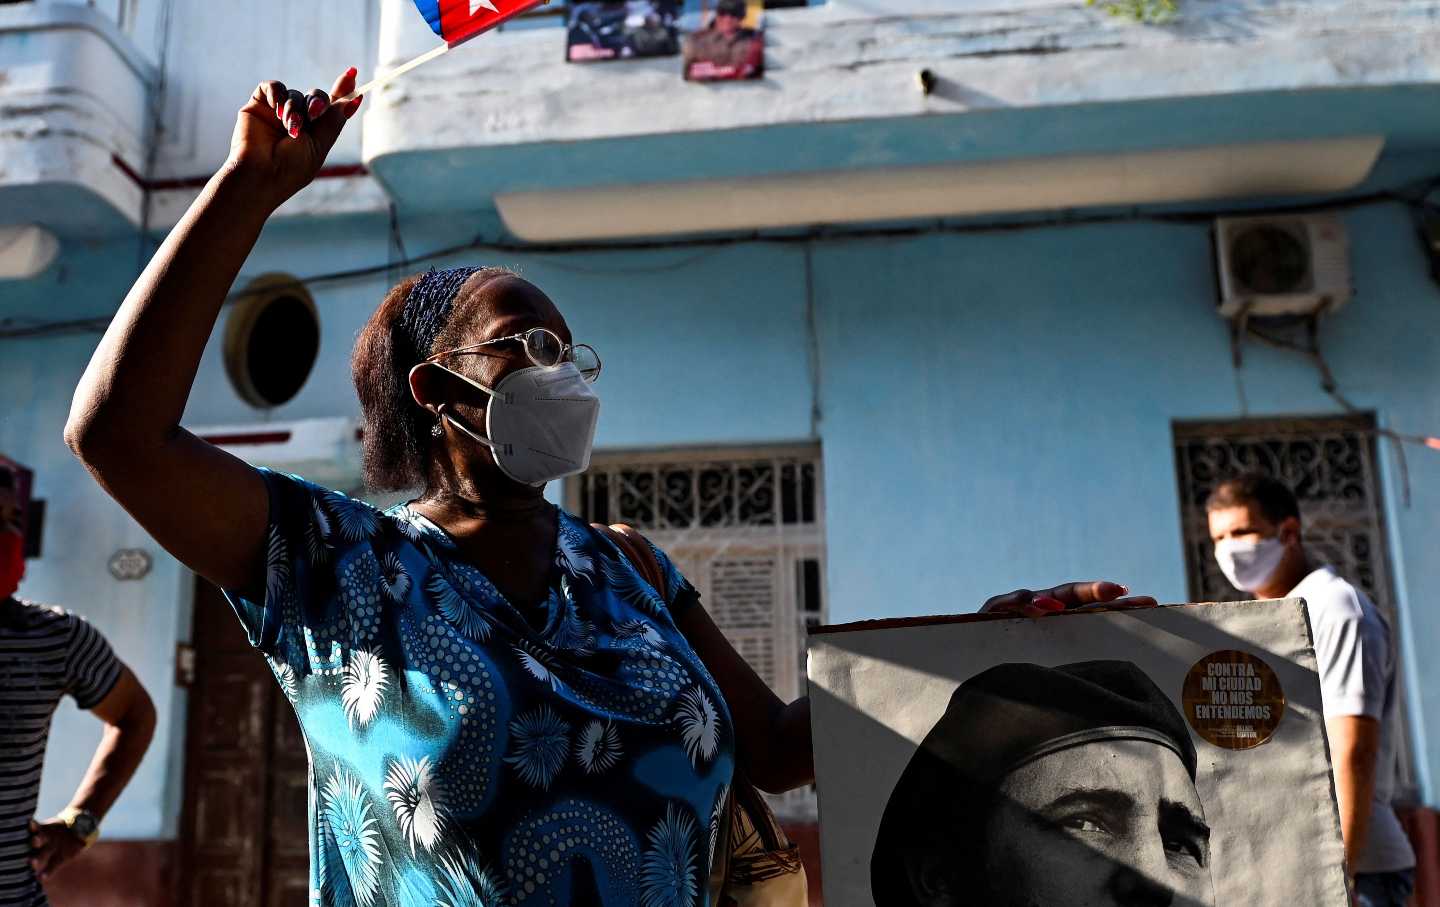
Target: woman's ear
{"x": 427, "y": 387}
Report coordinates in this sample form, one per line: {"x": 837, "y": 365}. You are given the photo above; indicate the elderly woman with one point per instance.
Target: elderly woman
{"x": 497, "y": 705}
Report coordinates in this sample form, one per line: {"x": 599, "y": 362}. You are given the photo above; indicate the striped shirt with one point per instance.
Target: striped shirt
{"x": 44, "y": 654}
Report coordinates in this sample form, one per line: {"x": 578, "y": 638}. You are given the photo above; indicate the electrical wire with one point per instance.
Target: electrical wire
{"x": 1312, "y": 351}
{"x": 397, "y": 245}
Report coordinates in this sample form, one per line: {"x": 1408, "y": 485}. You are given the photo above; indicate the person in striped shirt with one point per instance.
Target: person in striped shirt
{"x": 46, "y": 653}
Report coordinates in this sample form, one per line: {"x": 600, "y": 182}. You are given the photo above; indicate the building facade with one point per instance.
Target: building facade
{"x": 875, "y": 343}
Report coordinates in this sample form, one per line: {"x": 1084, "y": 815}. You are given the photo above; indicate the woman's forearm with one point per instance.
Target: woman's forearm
{"x": 139, "y": 378}
{"x": 796, "y": 751}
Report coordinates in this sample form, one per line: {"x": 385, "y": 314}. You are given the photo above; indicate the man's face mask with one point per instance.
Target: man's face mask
{"x": 540, "y": 422}
{"x": 1249, "y": 563}
{"x": 12, "y": 562}
{"x": 12, "y": 542}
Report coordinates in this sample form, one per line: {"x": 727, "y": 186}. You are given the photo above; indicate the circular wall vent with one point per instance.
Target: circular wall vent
{"x": 272, "y": 339}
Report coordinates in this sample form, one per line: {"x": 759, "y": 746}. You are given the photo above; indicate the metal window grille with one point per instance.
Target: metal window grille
{"x": 735, "y": 493}
{"x": 1330, "y": 464}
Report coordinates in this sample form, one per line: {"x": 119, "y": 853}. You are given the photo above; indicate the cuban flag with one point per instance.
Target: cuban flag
{"x": 461, "y": 20}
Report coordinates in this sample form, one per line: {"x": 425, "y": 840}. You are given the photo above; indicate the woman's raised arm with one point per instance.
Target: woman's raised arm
{"x": 204, "y": 506}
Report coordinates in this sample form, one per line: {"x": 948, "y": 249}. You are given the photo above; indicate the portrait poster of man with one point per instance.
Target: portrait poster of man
{"x": 1166, "y": 756}
{"x": 623, "y": 29}
{"x": 730, "y": 46}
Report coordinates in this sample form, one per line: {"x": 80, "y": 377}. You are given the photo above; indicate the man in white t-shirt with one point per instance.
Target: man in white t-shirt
{"x": 1255, "y": 523}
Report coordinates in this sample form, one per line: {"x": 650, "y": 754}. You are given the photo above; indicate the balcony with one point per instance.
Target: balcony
{"x": 504, "y": 115}
{"x": 74, "y": 109}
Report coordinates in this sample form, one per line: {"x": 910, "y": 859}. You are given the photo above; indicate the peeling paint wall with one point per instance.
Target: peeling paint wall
{"x": 842, "y": 61}
{"x": 849, "y": 61}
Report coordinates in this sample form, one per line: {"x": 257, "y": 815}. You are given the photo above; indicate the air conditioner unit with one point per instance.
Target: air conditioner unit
{"x": 1282, "y": 265}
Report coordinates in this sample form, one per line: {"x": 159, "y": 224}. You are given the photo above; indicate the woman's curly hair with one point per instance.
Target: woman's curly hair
{"x": 395, "y": 429}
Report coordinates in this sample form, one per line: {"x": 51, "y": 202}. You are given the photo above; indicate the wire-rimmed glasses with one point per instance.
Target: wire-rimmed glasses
{"x": 544, "y": 348}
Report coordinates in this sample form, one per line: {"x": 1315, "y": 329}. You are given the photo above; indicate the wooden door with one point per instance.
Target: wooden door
{"x": 243, "y": 826}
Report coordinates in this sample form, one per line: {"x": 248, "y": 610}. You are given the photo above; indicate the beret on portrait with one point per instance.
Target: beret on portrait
{"x": 997, "y": 721}
{"x": 736, "y": 8}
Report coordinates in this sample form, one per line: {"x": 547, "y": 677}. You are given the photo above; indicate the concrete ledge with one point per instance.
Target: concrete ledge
{"x": 74, "y": 96}
{"x": 827, "y": 65}
{"x": 338, "y": 196}
{"x": 506, "y": 114}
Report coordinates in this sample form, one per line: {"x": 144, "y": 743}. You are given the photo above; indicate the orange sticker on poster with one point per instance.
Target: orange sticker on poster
{"x": 1233, "y": 699}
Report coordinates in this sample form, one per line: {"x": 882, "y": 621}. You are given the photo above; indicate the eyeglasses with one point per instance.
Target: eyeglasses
{"x": 544, "y": 348}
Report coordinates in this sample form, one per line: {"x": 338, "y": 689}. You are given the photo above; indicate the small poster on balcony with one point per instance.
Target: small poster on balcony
{"x": 1164, "y": 756}
{"x": 623, "y": 29}
{"x": 730, "y": 46}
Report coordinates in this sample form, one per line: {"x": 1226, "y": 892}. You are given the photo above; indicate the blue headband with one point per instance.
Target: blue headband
{"x": 428, "y": 306}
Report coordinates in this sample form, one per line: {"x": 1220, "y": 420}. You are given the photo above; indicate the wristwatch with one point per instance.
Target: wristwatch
{"x": 82, "y": 824}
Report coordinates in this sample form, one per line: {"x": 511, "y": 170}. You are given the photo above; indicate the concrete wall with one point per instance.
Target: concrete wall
{"x": 837, "y": 64}
{"x": 58, "y": 133}
{"x": 853, "y": 62}
{"x": 995, "y": 411}
{"x": 142, "y": 619}
{"x": 994, "y": 408}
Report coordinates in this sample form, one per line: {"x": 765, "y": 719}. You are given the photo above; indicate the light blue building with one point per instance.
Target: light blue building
{"x": 870, "y": 349}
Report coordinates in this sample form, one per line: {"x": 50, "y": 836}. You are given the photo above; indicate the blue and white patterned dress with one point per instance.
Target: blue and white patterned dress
{"x": 461, "y": 757}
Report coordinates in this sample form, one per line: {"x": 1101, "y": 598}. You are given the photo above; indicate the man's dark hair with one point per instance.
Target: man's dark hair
{"x": 1271, "y": 497}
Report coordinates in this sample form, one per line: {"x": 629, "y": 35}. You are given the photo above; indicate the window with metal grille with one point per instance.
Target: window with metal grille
{"x": 703, "y": 494}
{"x": 1331, "y": 466}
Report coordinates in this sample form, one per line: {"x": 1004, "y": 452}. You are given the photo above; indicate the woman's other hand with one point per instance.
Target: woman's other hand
{"x": 282, "y": 136}
{"x": 1065, "y": 597}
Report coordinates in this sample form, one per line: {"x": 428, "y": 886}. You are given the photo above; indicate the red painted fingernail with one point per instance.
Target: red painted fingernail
{"x": 351, "y": 72}
{"x": 316, "y": 105}
{"x": 294, "y": 132}
{"x": 1048, "y": 603}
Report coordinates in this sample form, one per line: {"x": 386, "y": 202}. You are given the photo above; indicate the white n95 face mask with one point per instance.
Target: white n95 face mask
{"x": 540, "y": 422}
{"x": 1249, "y": 563}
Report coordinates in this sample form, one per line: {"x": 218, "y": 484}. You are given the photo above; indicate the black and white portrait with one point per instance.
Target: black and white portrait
{"x": 1041, "y": 763}
{"x": 1072, "y": 785}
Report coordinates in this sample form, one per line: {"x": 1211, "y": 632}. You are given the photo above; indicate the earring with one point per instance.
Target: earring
{"x": 436, "y": 430}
